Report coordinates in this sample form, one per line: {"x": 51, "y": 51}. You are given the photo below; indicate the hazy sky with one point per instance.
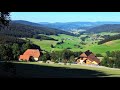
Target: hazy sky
{"x": 65, "y": 16}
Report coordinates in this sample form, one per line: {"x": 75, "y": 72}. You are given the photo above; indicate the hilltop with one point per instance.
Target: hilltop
{"x": 23, "y": 30}
{"x": 105, "y": 28}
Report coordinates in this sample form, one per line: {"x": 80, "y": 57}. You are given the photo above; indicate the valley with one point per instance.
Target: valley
{"x": 59, "y": 45}
{"x": 81, "y": 43}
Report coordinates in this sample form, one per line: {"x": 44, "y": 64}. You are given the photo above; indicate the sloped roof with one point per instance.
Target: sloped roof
{"x": 92, "y": 58}
{"x": 88, "y": 54}
{"x": 32, "y": 52}
{"x": 83, "y": 55}
{"x": 24, "y": 57}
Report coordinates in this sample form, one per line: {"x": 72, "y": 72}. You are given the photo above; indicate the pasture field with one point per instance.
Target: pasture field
{"x": 74, "y": 43}
{"x": 44, "y": 44}
{"x": 107, "y": 33}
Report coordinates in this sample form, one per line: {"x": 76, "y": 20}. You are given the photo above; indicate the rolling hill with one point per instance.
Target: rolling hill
{"x": 28, "y": 23}
{"x": 105, "y": 28}
{"x": 76, "y": 25}
{"x": 68, "y": 26}
{"x": 23, "y": 30}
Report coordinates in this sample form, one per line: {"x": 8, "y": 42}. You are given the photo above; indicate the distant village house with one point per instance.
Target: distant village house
{"x": 88, "y": 58}
{"x": 30, "y": 55}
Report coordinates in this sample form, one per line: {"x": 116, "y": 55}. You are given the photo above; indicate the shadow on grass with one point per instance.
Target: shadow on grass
{"x": 39, "y": 71}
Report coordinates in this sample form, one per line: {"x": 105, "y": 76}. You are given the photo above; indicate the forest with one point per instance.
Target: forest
{"x": 105, "y": 28}
{"x": 22, "y": 30}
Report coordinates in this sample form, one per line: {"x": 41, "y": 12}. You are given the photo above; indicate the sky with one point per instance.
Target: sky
{"x": 53, "y": 17}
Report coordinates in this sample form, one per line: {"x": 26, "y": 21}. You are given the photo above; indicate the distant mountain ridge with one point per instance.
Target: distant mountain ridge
{"x": 77, "y": 25}
{"x": 27, "y": 23}
{"x": 67, "y": 26}
{"x": 23, "y": 30}
{"x": 105, "y": 28}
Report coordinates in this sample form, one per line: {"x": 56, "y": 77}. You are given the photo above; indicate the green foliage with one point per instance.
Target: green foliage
{"x": 26, "y": 46}
{"x": 77, "y": 54}
{"x": 108, "y": 53}
{"x": 105, "y": 62}
{"x": 43, "y": 58}
{"x": 109, "y": 38}
{"x": 113, "y": 61}
{"x": 72, "y": 59}
{"x": 22, "y": 30}
{"x": 43, "y": 37}
{"x": 66, "y": 54}
{"x": 6, "y": 52}
{"x": 15, "y": 51}
{"x": 52, "y": 46}
{"x": 55, "y": 55}
{"x": 105, "y": 28}
{"x": 99, "y": 55}
{"x": 4, "y": 18}
{"x": 10, "y": 52}
{"x": 5, "y": 39}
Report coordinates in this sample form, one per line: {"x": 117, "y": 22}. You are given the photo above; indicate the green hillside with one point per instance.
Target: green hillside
{"x": 44, "y": 44}
{"x": 76, "y": 43}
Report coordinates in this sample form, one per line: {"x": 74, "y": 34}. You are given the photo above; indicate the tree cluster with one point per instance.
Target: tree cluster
{"x": 112, "y": 59}
{"x": 105, "y": 28}
{"x": 11, "y": 51}
{"x": 43, "y": 37}
{"x": 109, "y": 38}
{"x": 60, "y": 56}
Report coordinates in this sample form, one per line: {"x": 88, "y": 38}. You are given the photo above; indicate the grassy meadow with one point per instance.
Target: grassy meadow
{"x": 44, "y": 44}
{"x": 74, "y": 43}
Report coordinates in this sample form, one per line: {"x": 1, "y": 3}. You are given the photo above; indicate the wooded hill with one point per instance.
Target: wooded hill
{"x": 22, "y": 30}
{"x": 5, "y": 39}
{"x": 105, "y": 28}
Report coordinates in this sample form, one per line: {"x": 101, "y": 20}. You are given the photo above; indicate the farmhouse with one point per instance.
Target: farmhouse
{"x": 30, "y": 55}
{"x": 87, "y": 58}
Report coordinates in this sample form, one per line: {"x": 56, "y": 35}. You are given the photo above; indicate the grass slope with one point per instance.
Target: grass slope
{"x": 37, "y": 70}
{"x": 70, "y": 42}
{"x": 44, "y": 44}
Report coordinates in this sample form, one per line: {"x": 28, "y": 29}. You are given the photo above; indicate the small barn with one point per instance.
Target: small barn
{"x": 87, "y": 58}
{"x": 30, "y": 55}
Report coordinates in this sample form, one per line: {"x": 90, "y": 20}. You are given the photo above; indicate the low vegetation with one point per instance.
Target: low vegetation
{"x": 111, "y": 59}
{"x": 11, "y": 51}
{"x": 76, "y": 44}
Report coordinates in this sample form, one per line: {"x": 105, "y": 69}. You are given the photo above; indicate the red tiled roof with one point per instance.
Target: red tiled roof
{"x": 24, "y": 57}
{"x": 30, "y": 52}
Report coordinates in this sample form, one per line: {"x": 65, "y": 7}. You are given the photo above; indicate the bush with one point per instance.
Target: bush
{"x": 56, "y": 61}
{"x": 99, "y": 55}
